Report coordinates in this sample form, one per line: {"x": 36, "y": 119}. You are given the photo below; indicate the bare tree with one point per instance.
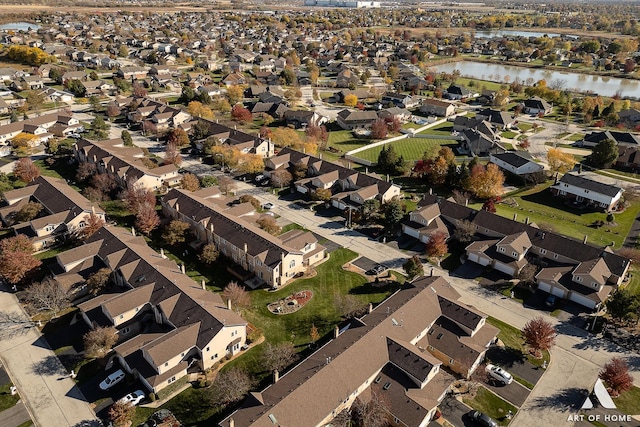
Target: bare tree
{"x": 98, "y": 281}
{"x": 269, "y": 225}
{"x": 99, "y": 341}
{"x": 47, "y": 296}
{"x": 190, "y": 182}
{"x": 616, "y": 375}
{"x": 230, "y": 386}
{"x": 464, "y": 231}
{"x": 277, "y": 357}
{"x": 174, "y": 232}
{"x": 237, "y": 294}
{"x": 281, "y": 178}
{"x": 527, "y": 274}
{"x": 147, "y": 218}
{"x": 539, "y": 335}
{"x": 136, "y": 196}
{"x": 226, "y": 184}
{"x": 348, "y": 305}
{"x": 373, "y": 412}
{"x": 93, "y": 224}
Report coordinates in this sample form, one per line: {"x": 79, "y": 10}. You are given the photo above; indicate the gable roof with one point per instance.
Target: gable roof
{"x": 582, "y": 181}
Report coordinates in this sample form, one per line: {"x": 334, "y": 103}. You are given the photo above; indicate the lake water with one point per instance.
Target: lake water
{"x": 605, "y": 86}
{"x": 488, "y": 34}
{"x": 18, "y": 26}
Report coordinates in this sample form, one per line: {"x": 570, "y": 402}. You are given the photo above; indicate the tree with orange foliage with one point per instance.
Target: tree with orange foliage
{"x": 616, "y": 375}
{"x": 486, "y": 182}
{"x": 16, "y": 258}
{"x": 93, "y": 224}
{"x": 240, "y": 113}
{"x": 436, "y": 246}
{"x": 26, "y": 170}
{"x": 539, "y": 335}
{"x": 147, "y": 218}
{"x": 560, "y": 162}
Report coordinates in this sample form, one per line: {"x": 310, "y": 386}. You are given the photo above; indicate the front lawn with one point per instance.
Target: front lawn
{"x": 191, "y": 407}
{"x": 634, "y": 284}
{"x": 492, "y": 405}
{"x": 629, "y": 401}
{"x": 6, "y": 399}
{"x": 343, "y": 141}
{"x": 410, "y": 148}
{"x": 542, "y": 208}
{"x": 512, "y": 338}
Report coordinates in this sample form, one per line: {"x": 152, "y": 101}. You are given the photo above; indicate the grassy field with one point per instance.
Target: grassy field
{"x": 492, "y": 405}
{"x": 629, "y": 401}
{"x": 191, "y": 407}
{"x": 410, "y": 148}
{"x": 442, "y": 129}
{"x": 541, "y": 207}
{"x": 344, "y": 140}
{"x": 331, "y": 280}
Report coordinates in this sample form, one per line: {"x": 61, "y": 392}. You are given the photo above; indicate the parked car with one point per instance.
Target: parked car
{"x": 379, "y": 268}
{"x": 483, "y": 419}
{"x": 112, "y": 380}
{"x": 75, "y": 135}
{"x": 551, "y": 301}
{"x": 267, "y": 206}
{"x": 499, "y": 374}
{"x": 133, "y": 398}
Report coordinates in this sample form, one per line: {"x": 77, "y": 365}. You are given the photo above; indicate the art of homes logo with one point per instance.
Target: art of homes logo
{"x": 601, "y": 397}
{"x": 621, "y": 418}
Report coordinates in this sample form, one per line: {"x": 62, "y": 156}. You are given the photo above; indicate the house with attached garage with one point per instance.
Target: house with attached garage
{"x": 350, "y": 120}
{"x": 167, "y": 324}
{"x": 588, "y": 189}
{"x": 64, "y": 211}
{"x": 423, "y": 222}
{"x": 437, "y": 107}
{"x": 517, "y": 162}
{"x": 621, "y": 138}
{"x": 538, "y": 106}
{"x": 397, "y": 351}
{"x": 570, "y": 269}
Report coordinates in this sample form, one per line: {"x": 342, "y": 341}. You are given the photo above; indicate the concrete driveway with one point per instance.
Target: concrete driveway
{"x": 456, "y": 412}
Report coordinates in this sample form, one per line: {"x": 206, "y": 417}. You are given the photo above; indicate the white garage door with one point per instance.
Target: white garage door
{"x": 582, "y": 300}
{"x": 558, "y": 292}
{"x": 504, "y": 268}
{"x": 410, "y": 231}
{"x": 474, "y": 258}
{"x": 544, "y": 287}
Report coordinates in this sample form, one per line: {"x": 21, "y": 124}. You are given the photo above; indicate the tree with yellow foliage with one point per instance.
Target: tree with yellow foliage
{"x": 486, "y": 182}
{"x": 224, "y": 154}
{"x": 350, "y": 100}
{"x": 251, "y": 163}
{"x": 560, "y": 162}
{"x": 197, "y": 109}
{"x": 23, "y": 140}
{"x": 235, "y": 94}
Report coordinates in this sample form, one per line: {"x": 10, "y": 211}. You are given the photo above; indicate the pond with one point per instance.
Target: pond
{"x": 605, "y": 86}
{"x": 19, "y": 26}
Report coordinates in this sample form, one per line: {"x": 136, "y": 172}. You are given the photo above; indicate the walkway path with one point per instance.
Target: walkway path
{"x": 50, "y": 396}
{"x": 576, "y": 358}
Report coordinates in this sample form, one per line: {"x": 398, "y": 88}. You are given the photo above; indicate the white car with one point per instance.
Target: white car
{"x": 499, "y": 374}
{"x": 112, "y": 380}
{"x": 133, "y": 398}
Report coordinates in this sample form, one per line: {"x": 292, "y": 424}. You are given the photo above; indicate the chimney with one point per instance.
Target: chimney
{"x": 246, "y": 248}
{"x": 466, "y": 202}
{"x": 182, "y": 268}
{"x": 204, "y": 287}
{"x": 515, "y": 216}
{"x": 228, "y": 302}
{"x": 232, "y": 423}
{"x": 430, "y": 191}
{"x": 366, "y": 170}
{"x": 370, "y": 307}
{"x": 387, "y": 177}
{"x": 177, "y": 207}
{"x": 336, "y": 332}
{"x": 585, "y": 239}
{"x": 282, "y": 257}
{"x": 276, "y": 376}
{"x": 162, "y": 253}
{"x": 93, "y": 209}
{"x": 133, "y": 231}
{"x": 526, "y": 220}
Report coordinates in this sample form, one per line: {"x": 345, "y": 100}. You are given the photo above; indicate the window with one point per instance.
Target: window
{"x": 501, "y": 249}
{"x": 121, "y": 316}
{"x": 207, "y": 349}
{"x": 515, "y": 254}
{"x": 215, "y": 355}
{"x": 166, "y": 364}
{"x": 555, "y": 256}
{"x": 126, "y": 330}
{"x": 182, "y": 354}
{"x": 594, "y": 284}
{"x": 586, "y": 191}
{"x": 292, "y": 263}
{"x": 452, "y": 362}
{"x": 543, "y": 251}
{"x": 170, "y": 380}
{"x": 578, "y": 279}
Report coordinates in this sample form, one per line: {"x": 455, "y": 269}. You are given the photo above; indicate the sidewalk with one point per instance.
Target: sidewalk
{"x": 50, "y": 396}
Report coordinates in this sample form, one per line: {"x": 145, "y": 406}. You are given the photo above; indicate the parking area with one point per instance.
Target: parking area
{"x": 369, "y": 266}
{"x": 514, "y": 393}
{"x": 456, "y": 412}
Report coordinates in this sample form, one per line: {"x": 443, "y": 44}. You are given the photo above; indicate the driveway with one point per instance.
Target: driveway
{"x": 468, "y": 270}
{"x": 514, "y": 393}
{"x": 456, "y": 412}
{"x": 515, "y": 363}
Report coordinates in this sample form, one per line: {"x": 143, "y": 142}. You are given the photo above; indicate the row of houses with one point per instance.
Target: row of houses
{"x": 349, "y": 188}
{"x": 259, "y": 257}
{"x": 167, "y": 324}
{"x": 569, "y": 269}
{"x": 41, "y": 128}
{"x": 64, "y": 211}
{"x": 402, "y": 351}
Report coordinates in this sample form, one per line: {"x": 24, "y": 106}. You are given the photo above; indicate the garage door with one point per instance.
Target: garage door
{"x": 582, "y": 300}
{"x": 558, "y": 292}
{"x": 410, "y": 231}
{"x": 474, "y": 258}
{"x": 544, "y": 287}
{"x": 504, "y": 268}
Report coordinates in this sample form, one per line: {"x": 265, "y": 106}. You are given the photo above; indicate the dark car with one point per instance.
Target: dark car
{"x": 551, "y": 301}
{"x": 483, "y": 419}
{"x": 376, "y": 270}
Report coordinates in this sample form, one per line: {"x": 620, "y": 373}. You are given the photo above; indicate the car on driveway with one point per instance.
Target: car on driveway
{"x": 267, "y": 206}
{"x": 112, "y": 380}
{"x": 483, "y": 419}
{"x": 499, "y": 374}
{"x": 551, "y": 301}
{"x": 377, "y": 269}
{"x": 133, "y": 398}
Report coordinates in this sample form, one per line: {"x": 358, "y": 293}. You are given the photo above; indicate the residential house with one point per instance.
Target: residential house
{"x": 399, "y": 100}
{"x": 628, "y": 158}
{"x": 479, "y": 144}
{"x": 423, "y": 222}
{"x": 508, "y": 245}
{"x": 39, "y": 126}
{"x": 257, "y": 255}
{"x": 350, "y": 189}
{"x": 621, "y": 138}
{"x": 28, "y": 83}
{"x": 74, "y": 75}
{"x": 244, "y": 142}
{"x": 537, "y": 106}
{"x": 517, "y": 162}
{"x": 589, "y": 189}
{"x": 397, "y": 350}
{"x": 395, "y": 113}
{"x": 347, "y": 78}
{"x": 132, "y": 72}
{"x": 459, "y": 92}
{"x": 501, "y": 120}
{"x": 630, "y": 117}
{"x": 234, "y": 79}
{"x": 125, "y": 164}
{"x": 438, "y": 108}
{"x": 304, "y": 118}
{"x": 356, "y": 119}
{"x": 64, "y": 211}
{"x": 166, "y": 323}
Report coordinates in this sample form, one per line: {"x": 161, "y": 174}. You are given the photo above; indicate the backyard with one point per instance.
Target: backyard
{"x": 492, "y": 405}
{"x": 545, "y": 210}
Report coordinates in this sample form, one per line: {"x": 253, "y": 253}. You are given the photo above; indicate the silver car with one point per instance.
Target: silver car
{"x": 499, "y": 374}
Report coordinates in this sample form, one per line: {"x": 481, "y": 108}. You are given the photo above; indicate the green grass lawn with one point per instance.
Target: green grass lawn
{"x": 634, "y": 284}
{"x": 410, "y": 148}
{"x": 191, "y": 407}
{"x": 321, "y": 311}
{"x": 629, "y": 401}
{"x": 574, "y": 137}
{"x": 509, "y": 134}
{"x": 6, "y": 400}
{"x": 524, "y": 126}
{"x": 344, "y": 141}
{"x": 541, "y": 207}
{"x": 442, "y": 129}
{"x": 512, "y": 338}
{"x": 492, "y": 405}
